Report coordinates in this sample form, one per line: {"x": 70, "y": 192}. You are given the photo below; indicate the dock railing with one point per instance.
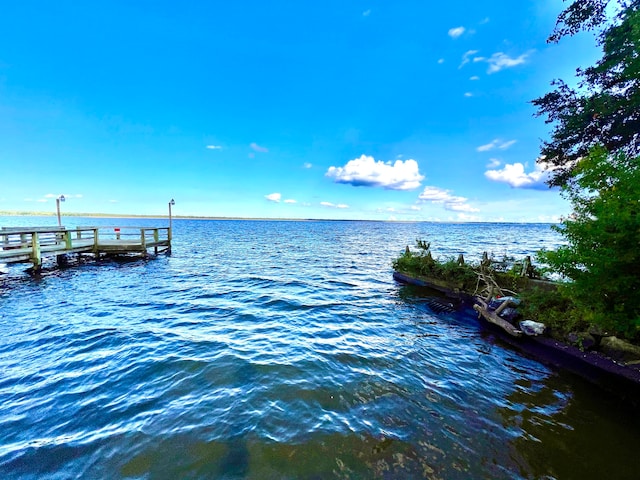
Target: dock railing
{"x": 18, "y": 244}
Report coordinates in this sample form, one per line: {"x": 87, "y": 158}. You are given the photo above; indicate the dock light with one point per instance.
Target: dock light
{"x": 58, "y": 200}
{"x": 171, "y": 203}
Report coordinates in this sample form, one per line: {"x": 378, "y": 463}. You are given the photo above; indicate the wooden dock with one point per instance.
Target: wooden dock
{"x": 32, "y": 245}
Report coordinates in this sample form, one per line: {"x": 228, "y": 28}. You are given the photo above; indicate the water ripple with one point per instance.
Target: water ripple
{"x": 251, "y": 353}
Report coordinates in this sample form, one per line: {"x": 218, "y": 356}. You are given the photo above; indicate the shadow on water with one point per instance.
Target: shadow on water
{"x": 235, "y": 462}
{"x": 437, "y": 301}
{"x": 566, "y": 434}
{"x": 561, "y": 425}
{"x": 13, "y": 277}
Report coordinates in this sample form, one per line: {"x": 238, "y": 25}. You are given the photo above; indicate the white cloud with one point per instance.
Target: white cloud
{"x": 273, "y": 197}
{"x": 466, "y": 57}
{"x": 468, "y": 94}
{"x": 456, "y": 32}
{"x": 514, "y": 175}
{"x": 460, "y": 207}
{"x": 475, "y": 77}
{"x": 497, "y": 143}
{"x": 500, "y": 61}
{"x": 487, "y": 147}
{"x": 366, "y": 13}
{"x": 257, "y": 148}
{"x": 307, "y": 165}
{"x": 366, "y": 172}
{"x": 493, "y": 163}
{"x": 450, "y": 202}
{"x": 463, "y": 217}
{"x": 441, "y": 60}
{"x": 549, "y": 218}
{"x": 214, "y": 147}
{"x": 333, "y": 205}
{"x": 277, "y": 197}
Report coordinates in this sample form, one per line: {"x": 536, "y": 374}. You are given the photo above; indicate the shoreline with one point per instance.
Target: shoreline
{"x": 11, "y": 213}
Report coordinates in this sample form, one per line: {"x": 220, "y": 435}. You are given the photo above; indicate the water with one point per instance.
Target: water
{"x": 277, "y": 350}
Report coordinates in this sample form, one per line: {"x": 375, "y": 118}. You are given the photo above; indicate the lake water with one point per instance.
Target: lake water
{"x": 273, "y": 349}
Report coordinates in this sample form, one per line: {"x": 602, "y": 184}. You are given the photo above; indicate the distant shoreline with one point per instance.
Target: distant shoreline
{"x": 4, "y": 213}
{"x": 184, "y": 217}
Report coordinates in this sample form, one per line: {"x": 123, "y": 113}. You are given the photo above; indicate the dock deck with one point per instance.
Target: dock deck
{"x": 32, "y": 245}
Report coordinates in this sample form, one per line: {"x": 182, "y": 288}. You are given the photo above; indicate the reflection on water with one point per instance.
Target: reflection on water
{"x": 286, "y": 350}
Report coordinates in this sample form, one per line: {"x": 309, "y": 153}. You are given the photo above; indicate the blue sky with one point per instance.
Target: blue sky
{"x": 400, "y": 110}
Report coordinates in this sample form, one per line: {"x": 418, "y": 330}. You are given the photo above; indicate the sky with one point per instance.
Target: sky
{"x": 374, "y": 110}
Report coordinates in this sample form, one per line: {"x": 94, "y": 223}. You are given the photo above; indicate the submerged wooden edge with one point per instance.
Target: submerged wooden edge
{"x": 595, "y": 367}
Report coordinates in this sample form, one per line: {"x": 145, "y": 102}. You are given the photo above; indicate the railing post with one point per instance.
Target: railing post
{"x": 96, "y": 240}
{"x": 36, "y": 256}
{"x": 143, "y": 242}
{"x": 68, "y": 244}
{"x": 156, "y": 239}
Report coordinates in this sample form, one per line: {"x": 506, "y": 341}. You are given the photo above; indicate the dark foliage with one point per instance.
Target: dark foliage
{"x": 580, "y": 15}
{"x": 605, "y": 107}
{"x": 602, "y": 257}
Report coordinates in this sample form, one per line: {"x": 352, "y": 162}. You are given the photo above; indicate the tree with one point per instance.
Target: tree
{"x": 605, "y": 107}
{"x": 602, "y": 257}
{"x": 580, "y": 15}
{"x": 595, "y": 147}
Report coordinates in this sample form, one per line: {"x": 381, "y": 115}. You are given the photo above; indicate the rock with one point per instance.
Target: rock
{"x": 531, "y": 328}
{"x": 597, "y": 333}
{"x": 582, "y": 340}
{"x": 620, "y": 350}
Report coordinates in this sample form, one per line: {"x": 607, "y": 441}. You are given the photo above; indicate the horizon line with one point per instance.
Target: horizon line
{"x": 15, "y": 213}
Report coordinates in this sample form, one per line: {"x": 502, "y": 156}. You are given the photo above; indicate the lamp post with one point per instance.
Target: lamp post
{"x": 58, "y": 200}
{"x": 171, "y": 203}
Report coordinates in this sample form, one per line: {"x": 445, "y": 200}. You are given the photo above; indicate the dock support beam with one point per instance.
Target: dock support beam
{"x": 36, "y": 254}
